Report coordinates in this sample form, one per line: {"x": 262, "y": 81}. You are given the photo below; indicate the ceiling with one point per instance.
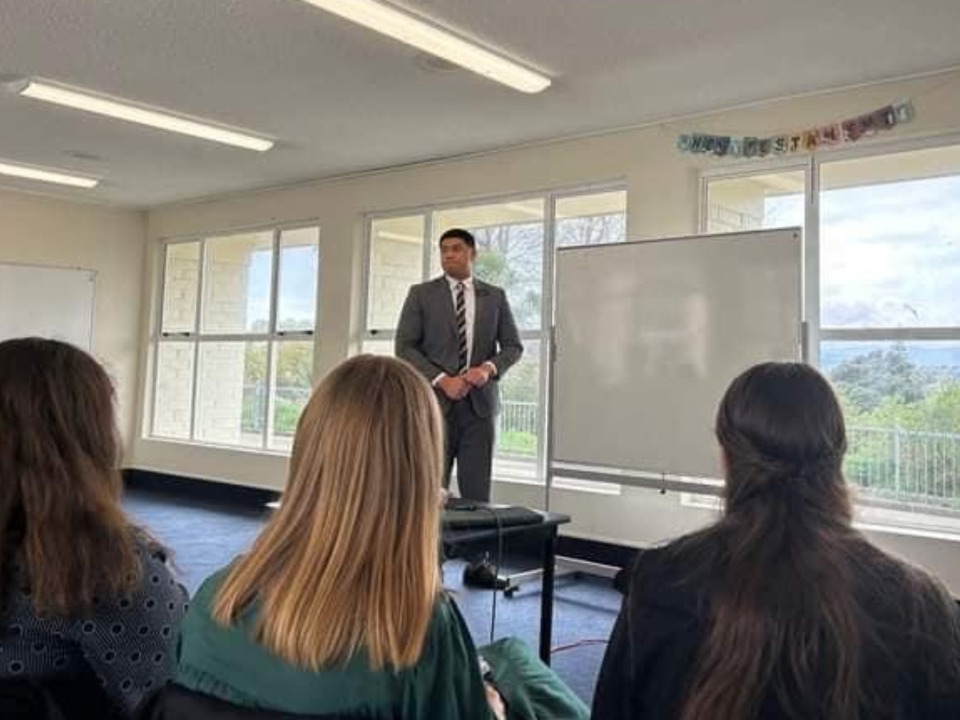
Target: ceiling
{"x": 342, "y": 99}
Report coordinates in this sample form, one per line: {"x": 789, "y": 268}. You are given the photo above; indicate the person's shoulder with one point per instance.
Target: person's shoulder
{"x": 440, "y": 281}
{"x": 666, "y": 576}
{"x": 446, "y": 613}
{"x": 149, "y": 549}
{"x": 447, "y": 624}
{"x": 211, "y": 584}
{"x": 423, "y": 291}
{"x": 905, "y": 589}
{"x": 490, "y": 288}
{"x": 156, "y": 573}
{"x": 648, "y": 563}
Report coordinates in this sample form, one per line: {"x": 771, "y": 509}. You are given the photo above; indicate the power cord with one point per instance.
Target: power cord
{"x": 578, "y": 643}
{"x": 493, "y": 610}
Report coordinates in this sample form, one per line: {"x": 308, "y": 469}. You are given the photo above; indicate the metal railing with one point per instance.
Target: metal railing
{"x": 905, "y": 466}
{"x": 517, "y": 429}
{"x": 889, "y": 464}
{"x": 288, "y": 402}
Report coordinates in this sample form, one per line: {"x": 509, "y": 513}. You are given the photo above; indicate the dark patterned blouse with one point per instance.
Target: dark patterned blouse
{"x": 127, "y": 642}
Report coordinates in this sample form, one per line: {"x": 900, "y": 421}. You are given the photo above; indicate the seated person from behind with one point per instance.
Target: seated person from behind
{"x": 338, "y": 609}
{"x": 781, "y": 609}
{"x": 88, "y": 607}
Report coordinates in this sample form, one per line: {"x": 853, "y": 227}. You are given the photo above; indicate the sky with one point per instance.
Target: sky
{"x": 298, "y": 277}
{"x": 889, "y": 257}
{"x": 889, "y": 253}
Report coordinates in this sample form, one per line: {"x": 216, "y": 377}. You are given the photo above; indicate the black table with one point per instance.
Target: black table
{"x": 458, "y": 543}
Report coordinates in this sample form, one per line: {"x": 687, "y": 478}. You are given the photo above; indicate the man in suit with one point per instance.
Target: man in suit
{"x": 460, "y": 333}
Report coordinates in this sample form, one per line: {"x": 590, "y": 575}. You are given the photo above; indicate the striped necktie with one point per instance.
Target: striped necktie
{"x": 462, "y": 327}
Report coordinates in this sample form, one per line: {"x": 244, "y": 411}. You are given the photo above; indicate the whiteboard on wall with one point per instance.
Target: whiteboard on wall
{"x": 48, "y": 302}
{"x": 650, "y": 334}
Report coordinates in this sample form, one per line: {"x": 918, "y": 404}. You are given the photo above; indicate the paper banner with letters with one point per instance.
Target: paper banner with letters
{"x": 846, "y": 131}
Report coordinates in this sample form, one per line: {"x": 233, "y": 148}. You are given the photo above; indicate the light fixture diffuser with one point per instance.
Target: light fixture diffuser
{"x": 121, "y": 110}
{"x": 50, "y": 176}
{"x": 434, "y": 40}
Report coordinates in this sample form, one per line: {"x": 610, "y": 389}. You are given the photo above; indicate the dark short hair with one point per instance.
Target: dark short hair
{"x": 464, "y": 235}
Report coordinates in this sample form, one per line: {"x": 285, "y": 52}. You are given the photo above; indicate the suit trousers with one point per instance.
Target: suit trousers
{"x": 469, "y": 441}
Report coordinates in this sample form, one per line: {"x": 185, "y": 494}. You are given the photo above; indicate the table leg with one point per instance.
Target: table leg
{"x": 546, "y": 596}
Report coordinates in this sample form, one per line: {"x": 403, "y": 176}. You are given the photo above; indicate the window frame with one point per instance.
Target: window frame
{"x": 197, "y": 337}
{"x": 816, "y": 334}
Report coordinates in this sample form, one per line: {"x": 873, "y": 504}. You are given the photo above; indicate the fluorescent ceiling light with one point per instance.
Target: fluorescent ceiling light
{"x": 80, "y": 100}
{"x": 436, "y": 41}
{"x": 50, "y": 176}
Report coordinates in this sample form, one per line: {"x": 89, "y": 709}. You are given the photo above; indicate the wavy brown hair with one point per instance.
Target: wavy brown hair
{"x": 350, "y": 560}
{"x": 805, "y": 614}
{"x": 60, "y": 484}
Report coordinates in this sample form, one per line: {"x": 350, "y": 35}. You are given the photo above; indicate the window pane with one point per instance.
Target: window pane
{"x": 509, "y": 250}
{"x": 231, "y": 399}
{"x": 294, "y": 370}
{"x": 299, "y": 265}
{"x": 902, "y": 407}
{"x": 592, "y": 219}
{"x": 378, "y": 347}
{"x": 518, "y": 424}
{"x": 237, "y": 275}
{"x": 755, "y": 202}
{"x": 396, "y": 263}
{"x": 890, "y": 240}
{"x": 181, "y": 273}
{"x": 173, "y": 397}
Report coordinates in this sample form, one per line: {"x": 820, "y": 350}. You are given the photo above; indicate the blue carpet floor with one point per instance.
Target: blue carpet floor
{"x": 204, "y": 535}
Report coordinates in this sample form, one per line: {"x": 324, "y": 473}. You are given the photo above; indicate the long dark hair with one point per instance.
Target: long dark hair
{"x": 60, "y": 484}
{"x": 804, "y": 612}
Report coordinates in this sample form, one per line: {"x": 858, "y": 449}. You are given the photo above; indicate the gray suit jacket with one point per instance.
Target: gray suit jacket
{"x": 427, "y": 337}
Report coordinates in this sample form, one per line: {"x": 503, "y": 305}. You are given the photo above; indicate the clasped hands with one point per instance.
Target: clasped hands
{"x": 456, "y": 387}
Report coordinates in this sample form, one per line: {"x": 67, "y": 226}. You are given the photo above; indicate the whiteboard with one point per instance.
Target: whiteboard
{"x": 650, "y": 334}
{"x": 48, "y": 302}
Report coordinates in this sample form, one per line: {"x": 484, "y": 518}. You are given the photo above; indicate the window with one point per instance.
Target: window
{"x": 591, "y": 219}
{"x": 890, "y": 320}
{"x": 234, "y": 351}
{"x": 396, "y": 263}
{"x": 755, "y": 202}
{"x": 514, "y": 246}
{"x": 883, "y": 304}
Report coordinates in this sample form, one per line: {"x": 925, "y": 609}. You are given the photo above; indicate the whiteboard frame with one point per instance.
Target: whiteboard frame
{"x": 663, "y": 482}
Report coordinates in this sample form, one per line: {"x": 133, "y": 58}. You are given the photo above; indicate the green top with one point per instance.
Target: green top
{"x": 228, "y": 663}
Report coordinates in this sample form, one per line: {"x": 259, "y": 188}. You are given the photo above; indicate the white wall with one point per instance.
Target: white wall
{"x": 43, "y": 231}
{"x": 663, "y": 200}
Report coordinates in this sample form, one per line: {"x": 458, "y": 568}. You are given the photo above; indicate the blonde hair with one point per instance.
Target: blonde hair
{"x": 350, "y": 560}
